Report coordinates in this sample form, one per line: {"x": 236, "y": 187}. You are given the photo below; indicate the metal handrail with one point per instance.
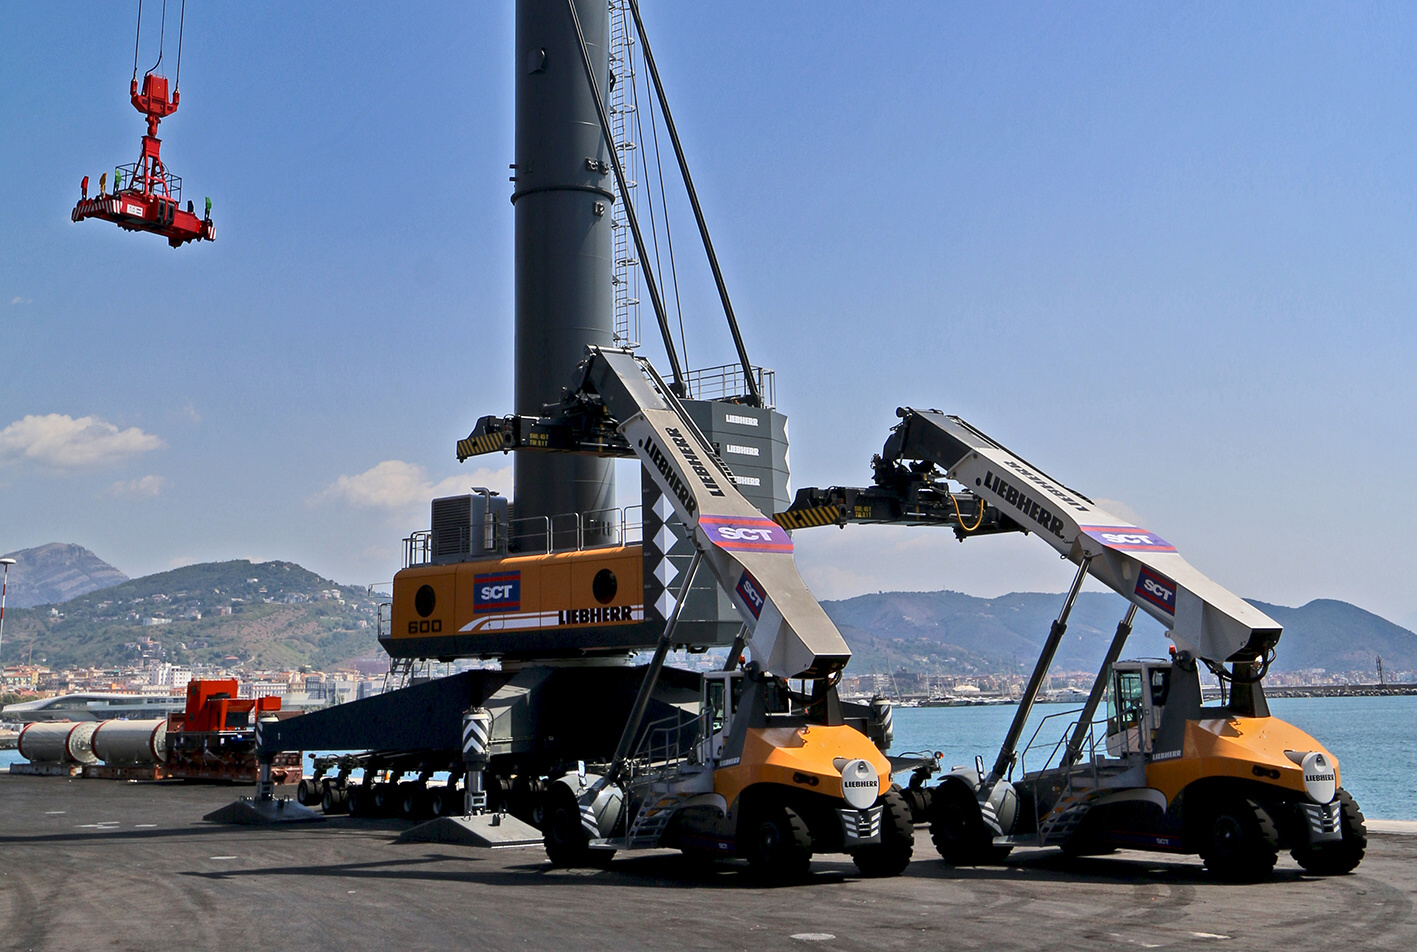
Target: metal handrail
{"x": 157, "y": 181}
{"x": 617, "y": 522}
{"x": 728, "y": 380}
{"x": 418, "y": 548}
{"x": 668, "y": 741}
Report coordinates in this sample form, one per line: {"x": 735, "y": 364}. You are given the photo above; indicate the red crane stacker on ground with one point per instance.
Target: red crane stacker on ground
{"x": 215, "y": 737}
{"x": 153, "y": 197}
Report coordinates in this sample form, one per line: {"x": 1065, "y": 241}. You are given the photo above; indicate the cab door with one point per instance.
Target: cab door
{"x": 718, "y": 703}
{"x": 1128, "y": 720}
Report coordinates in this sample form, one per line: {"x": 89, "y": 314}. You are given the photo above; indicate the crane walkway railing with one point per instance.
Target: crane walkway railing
{"x": 565, "y": 532}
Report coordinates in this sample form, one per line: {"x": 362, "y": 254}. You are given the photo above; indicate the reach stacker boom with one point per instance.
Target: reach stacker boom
{"x": 764, "y": 771}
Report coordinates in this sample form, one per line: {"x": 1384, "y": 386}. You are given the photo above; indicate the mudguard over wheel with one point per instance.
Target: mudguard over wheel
{"x": 776, "y": 842}
{"x": 890, "y": 856}
{"x": 1335, "y": 859}
{"x": 1238, "y": 840}
{"x": 958, "y": 830}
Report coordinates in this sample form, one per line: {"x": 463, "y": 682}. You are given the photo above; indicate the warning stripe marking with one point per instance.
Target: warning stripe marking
{"x": 811, "y": 518}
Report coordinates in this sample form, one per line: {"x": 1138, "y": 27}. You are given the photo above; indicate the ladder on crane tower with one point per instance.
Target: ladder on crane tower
{"x": 623, "y": 105}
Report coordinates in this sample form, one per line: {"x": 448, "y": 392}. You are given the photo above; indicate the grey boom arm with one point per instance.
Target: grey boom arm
{"x": 1202, "y": 617}
{"x": 620, "y": 406}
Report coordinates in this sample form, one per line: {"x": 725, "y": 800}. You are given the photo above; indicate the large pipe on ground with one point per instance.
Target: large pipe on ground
{"x": 58, "y": 742}
{"x": 131, "y": 743}
{"x": 562, "y": 196}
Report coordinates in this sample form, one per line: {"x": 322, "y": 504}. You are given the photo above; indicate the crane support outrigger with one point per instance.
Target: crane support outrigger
{"x": 1232, "y": 782}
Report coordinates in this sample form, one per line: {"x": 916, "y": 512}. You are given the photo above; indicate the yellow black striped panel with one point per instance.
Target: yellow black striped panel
{"x": 478, "y": 445}
{"x": 810, "y": 518}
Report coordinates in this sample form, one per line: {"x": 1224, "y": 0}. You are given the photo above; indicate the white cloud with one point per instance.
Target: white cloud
{"x": 396, "y": 485}
{"x": 146, "y": 486}
{"x": 21, "y": 300}
{"x": 60, "y": 440}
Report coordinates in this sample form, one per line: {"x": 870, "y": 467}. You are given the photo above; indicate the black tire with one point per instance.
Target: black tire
{"x": 959, "y": 832}
{"x": 1335, "y": 859}
{"x": 776, "y": 842}
{"x": 334, "y": 800}
{"x": 1239, "y": 841}
{"x": 359, "y": 800}
{"x": 566, "y": 840}
{"x": 412, "y": 801}
{"x": 444, "y": 801}
{"x": 892, "y": 854}
{"x": 384, "y": 799}
{"x": 307, "y": 792}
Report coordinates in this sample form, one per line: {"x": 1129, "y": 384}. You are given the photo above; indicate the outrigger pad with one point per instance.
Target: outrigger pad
{"x": 248, "y": 811}
{"x": 489, "y": 830}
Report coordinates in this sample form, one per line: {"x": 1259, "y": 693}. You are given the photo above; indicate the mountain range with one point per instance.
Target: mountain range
{"x": 950, "y": 632}
{"x": 56, "y": 572}
{"x": 261, "y": 615}
{"x": 278, "y": 614}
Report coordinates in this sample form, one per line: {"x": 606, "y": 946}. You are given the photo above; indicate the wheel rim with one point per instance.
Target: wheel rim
{"x": 562, "y": 829}
{"x": 769, "y": 840}
{"x": 1228, "y": 835}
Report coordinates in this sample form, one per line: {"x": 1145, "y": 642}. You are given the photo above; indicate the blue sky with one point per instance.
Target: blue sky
{"x": 1165, "y": 251}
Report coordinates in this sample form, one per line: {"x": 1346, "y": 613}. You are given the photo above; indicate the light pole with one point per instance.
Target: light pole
{"x": 4, "y": 584}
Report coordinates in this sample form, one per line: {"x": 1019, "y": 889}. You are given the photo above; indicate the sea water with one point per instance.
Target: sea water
{"x": 1374, "y": 739}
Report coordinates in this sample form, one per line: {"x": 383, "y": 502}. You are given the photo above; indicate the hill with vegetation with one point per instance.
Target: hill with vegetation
{"x": 954, "y": 633}
{"x": 257, "y": 615}
{"x": 279, "y": 615}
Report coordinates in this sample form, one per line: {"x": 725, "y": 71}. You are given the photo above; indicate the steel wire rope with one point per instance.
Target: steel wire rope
{"x": 181, "y": 27}
{"x": 639, "y": 134}
{"x": 161, "y": 38}
{"x": 664, "y": 203}
{"x": 137, "y": 36}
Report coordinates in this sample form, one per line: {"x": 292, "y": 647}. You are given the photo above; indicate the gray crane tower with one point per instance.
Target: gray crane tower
{"x": 563, "y": 194}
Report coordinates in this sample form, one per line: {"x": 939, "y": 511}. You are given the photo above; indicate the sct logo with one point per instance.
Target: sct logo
{"x": 751, "y": 593}
{"x": 1128, "y": 539}
{"x": 501, "y": 592}
{"x": 1158, "y": 590}
{"x": 745, "y": 534}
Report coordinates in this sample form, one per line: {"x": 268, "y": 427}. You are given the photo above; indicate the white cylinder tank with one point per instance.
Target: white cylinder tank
{"x": 58, "y": 742}
{"x": 122, "y": 743}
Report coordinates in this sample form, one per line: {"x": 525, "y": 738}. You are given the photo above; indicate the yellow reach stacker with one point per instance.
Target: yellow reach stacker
{"x": 1162, "y": 771}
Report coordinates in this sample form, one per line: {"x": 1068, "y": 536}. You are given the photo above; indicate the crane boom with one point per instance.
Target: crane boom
{"x": 621, "y": 407}
{"x": 1201, "y": 616}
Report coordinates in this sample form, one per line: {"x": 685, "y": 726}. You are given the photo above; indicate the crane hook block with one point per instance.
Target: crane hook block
{"x": 152, "y": 198}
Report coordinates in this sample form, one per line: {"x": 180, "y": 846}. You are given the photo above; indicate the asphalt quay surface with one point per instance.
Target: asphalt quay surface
{"x": 91, "y": 865}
